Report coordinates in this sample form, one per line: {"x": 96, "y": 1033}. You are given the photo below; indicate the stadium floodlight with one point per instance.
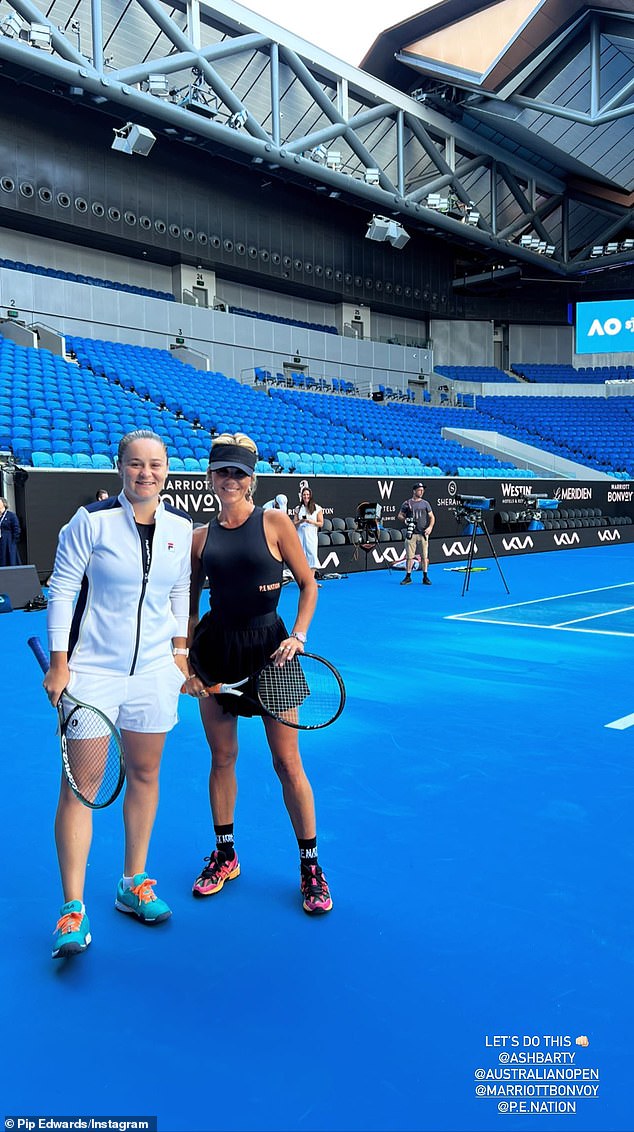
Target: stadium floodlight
{"x": 40, "y": 36}
{"x": 372, "y": 177}
{"x": 319, "y": 154}
{"x": 611, "y": 247}
{"x": 525, "y": 241}
{"x": 133, "y": 139}
{"x": 597, "y": 251}
{"x": 333, "y": 160}
{"x": 473, "y": 216}
{"x": 627, "y": 245}
{"x": 238, "y": 120}
{"x": 11, "y": 25}
{"x": 158, "y": 85}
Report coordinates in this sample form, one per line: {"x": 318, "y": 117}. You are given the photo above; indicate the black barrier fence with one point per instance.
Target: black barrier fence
{"x": 45, "y": 500}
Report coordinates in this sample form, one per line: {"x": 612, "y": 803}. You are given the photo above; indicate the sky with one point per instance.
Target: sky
{"x": 341, "y": 27}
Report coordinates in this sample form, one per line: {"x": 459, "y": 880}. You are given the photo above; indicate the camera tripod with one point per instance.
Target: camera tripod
{"x": 474, "y": 517}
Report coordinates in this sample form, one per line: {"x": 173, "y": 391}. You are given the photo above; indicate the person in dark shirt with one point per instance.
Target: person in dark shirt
{"x": 419, "y": 517}
{"x": 242, "y": 553}
{"x": 9, "y": 536}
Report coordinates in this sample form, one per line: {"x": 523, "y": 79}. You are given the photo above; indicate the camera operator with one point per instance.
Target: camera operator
{"x": 419, "y": 521}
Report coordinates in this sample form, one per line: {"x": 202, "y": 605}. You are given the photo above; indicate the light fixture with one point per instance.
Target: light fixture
{"x": 11, "y": 25}
{"x": 611, "y": 247}
{"x": 381, "y": 229}
{"x": 333, "y": 160}
{"x": 473, "y": 216}
{"x": 438, "y": 202}
{"x": 525, "y": 241}
{"x": 627, "y": 245}
{"x": 596, "y": 251}
{"x": 238, "y": 119}
{"x": 158, "y": 85}
{"x": 133, "y": 139}
{"x": 372, "y": 177}
{"x": 40, "y": 36}
{"x": 319, "y": 154}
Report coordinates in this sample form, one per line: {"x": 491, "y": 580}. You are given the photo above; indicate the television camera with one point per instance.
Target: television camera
{"x": 367, "y": 521}
{"x": 469, "y": 508}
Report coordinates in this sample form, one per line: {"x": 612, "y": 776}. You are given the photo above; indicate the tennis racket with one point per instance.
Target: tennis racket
{"x": 92, "y": 751}
{"x": 305, "y": 692}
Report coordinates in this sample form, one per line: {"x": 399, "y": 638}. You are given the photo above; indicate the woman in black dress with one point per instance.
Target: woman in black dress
{"x": 242, "y": 553}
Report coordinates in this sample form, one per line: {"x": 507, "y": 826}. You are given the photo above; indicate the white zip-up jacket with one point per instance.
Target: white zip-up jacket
{"x": 122, "y": 622}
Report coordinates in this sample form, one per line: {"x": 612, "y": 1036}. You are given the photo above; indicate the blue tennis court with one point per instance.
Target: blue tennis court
{"x": 474, "y": 811}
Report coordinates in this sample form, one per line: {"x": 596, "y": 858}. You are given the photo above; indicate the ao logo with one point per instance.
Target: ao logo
{"x": 610, "y": 326}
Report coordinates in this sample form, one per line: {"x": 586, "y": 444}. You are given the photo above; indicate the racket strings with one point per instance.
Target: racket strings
{"x": 304, "y": 692}
{"x": 92, "y": 754}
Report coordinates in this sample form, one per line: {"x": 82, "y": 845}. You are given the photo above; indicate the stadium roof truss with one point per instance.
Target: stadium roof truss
{"x": 228, "y": 80}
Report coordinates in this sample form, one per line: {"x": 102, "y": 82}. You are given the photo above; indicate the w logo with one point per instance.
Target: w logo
{"x": 566, "y": 539}
{"x": 516, "y": 543}
{"x": 458, "y": 549}
{"x": 385, "y": 488}
{"x": 609, "y": 535}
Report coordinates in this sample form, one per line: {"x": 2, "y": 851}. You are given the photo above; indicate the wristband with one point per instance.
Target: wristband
{"x": 299, "y": 636}
{"x": 180, "y": 652}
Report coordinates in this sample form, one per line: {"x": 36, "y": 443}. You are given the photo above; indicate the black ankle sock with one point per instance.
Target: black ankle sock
{"x": 224, "y": 840}
{"x": 307, "y": 852}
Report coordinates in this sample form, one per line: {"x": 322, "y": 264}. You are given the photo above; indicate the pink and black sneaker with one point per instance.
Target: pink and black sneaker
{"x": 314, "y": 887}
{"x": 214, "y": 875}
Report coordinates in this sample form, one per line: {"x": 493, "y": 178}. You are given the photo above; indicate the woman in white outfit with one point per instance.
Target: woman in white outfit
{"x": 309, "y": 519}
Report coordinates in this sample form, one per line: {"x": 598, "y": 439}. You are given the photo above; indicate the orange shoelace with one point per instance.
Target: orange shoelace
{"x": 144, "y": 891}
{"x": 71, "y": 922}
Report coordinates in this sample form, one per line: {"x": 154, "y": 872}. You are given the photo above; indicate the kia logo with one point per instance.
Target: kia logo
{"x": 458, "y": 549}
{"x": 516, "y": 543}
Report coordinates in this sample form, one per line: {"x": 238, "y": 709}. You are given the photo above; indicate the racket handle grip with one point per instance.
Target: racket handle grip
{"x": 39, "y": 652}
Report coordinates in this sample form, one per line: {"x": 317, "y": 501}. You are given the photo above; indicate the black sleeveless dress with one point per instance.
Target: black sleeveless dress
{"x": 242, "y": 628}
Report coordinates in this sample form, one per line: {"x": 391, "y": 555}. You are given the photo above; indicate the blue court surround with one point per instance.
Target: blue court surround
{"x": 475, "y": 826}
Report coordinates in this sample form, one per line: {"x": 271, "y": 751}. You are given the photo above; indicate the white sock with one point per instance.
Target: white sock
{"x": 127, "y": 882}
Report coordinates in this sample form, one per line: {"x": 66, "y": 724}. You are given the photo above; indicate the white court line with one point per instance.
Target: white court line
{"x": 593, "y": 616}
{"x": 535, "y": 601}
{"x": 550, "y": 628}
{"x": 622, "y": 724}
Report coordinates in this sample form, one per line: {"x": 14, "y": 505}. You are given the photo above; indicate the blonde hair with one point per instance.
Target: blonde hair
{"x": 239, "y": 438}
{"x": 242, "y": 441}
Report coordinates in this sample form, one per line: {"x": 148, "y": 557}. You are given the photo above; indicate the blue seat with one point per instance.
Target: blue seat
{"x": 62, "y": 460}
{"x": 42, "y": 460}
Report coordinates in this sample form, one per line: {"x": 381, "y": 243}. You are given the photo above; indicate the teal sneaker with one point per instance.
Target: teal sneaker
{"x": 72, "y": 931}
{"x": 141, "y": 902}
